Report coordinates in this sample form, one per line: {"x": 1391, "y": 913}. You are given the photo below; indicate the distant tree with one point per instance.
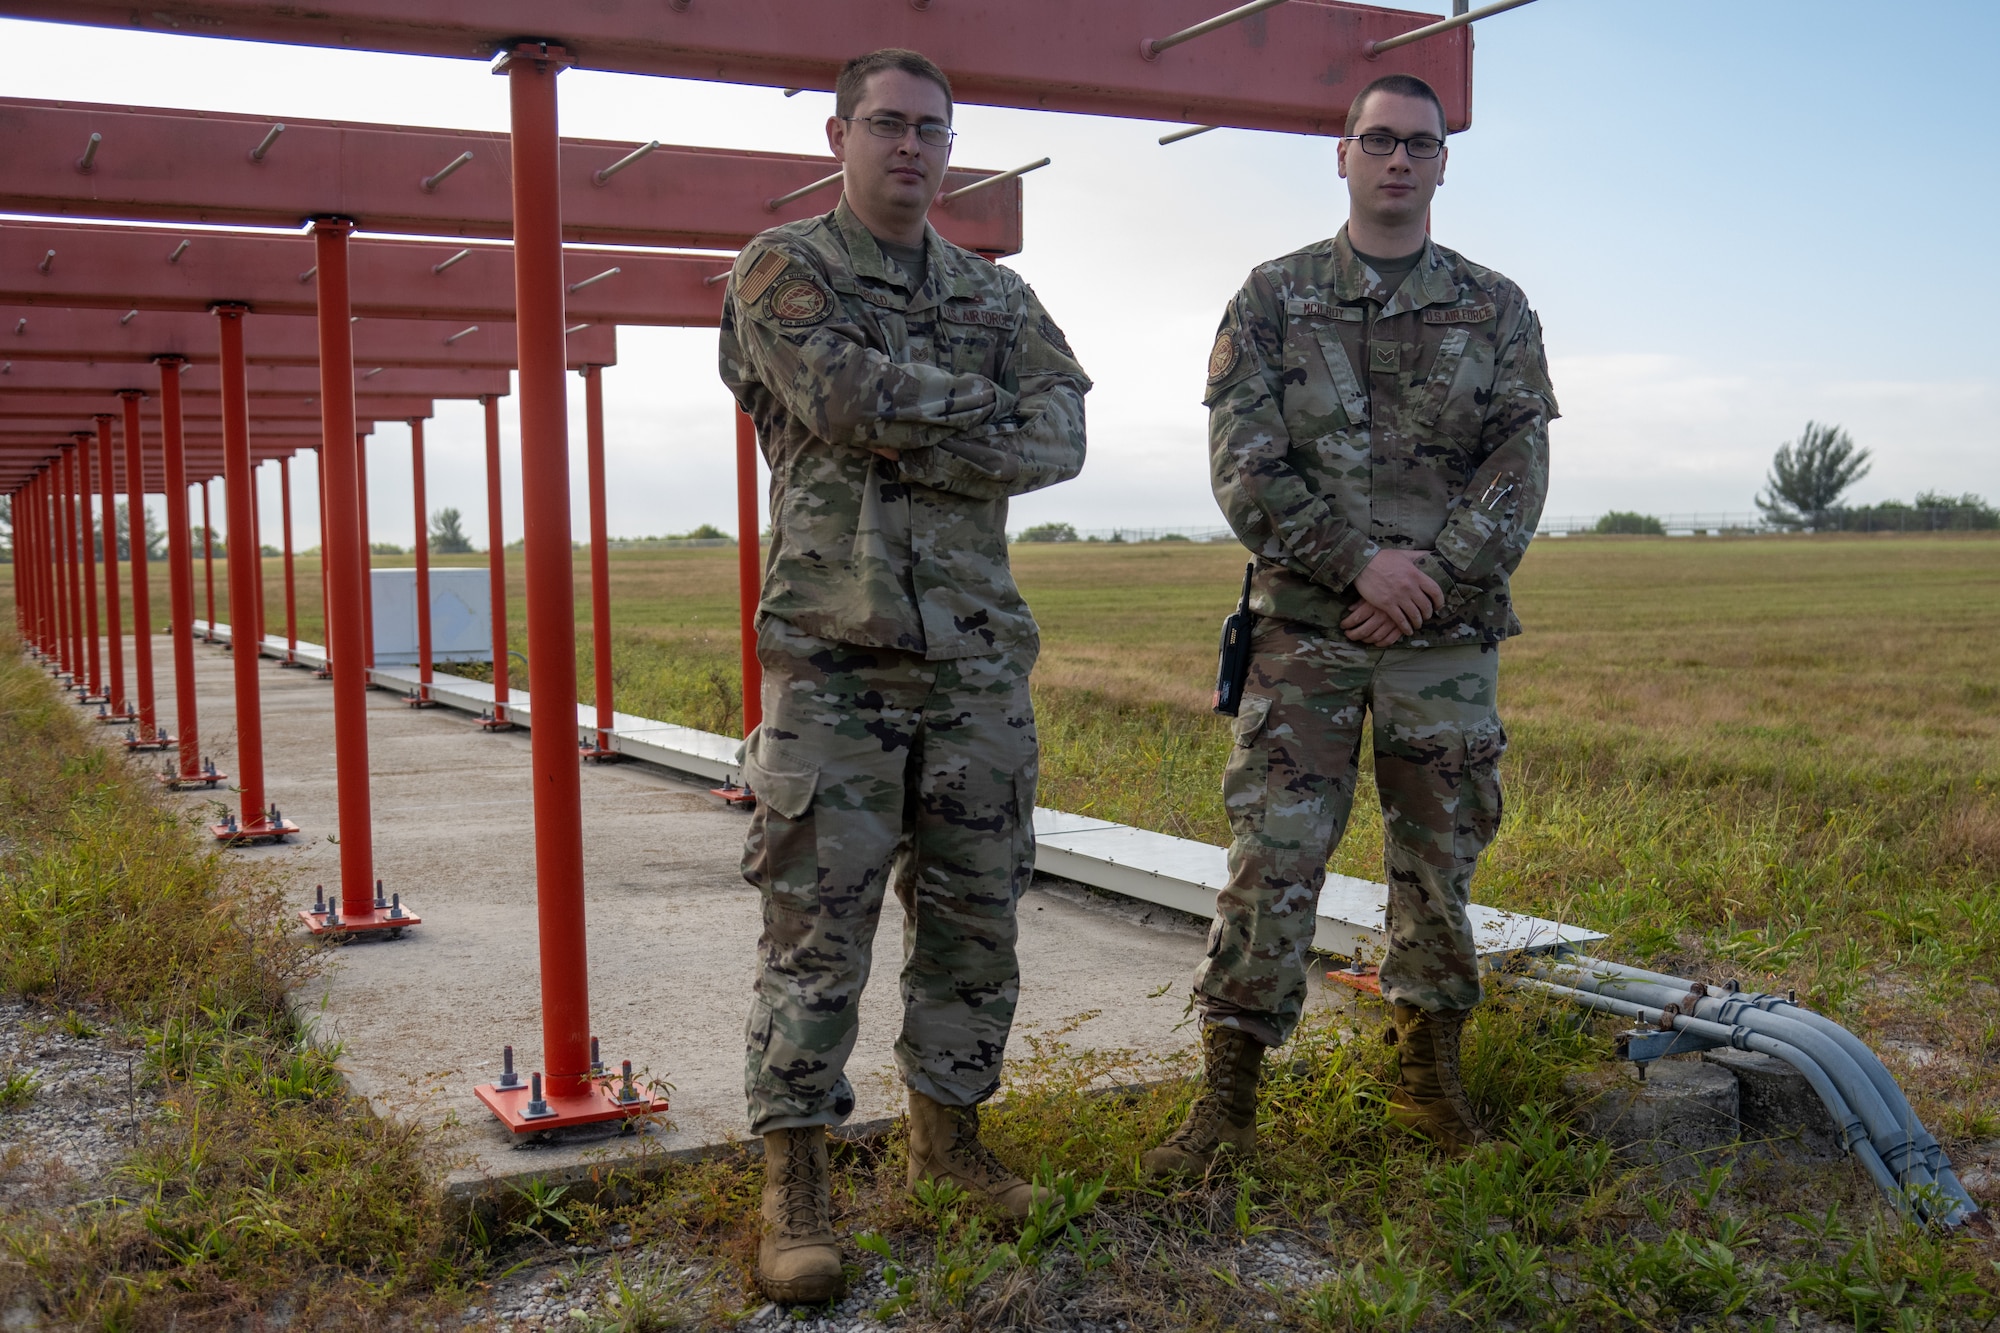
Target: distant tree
{"x": 707, "y": 532}
{"x": 1808, "y": 476}
{"x": 1630, "y": 525}
{"x": 1967, "y": 511}
{"x": 1049, "y": 532}
{"x": 217, "y": 545}
{"x": 447, "y": 537}
{"x": 386, "y": 548}
{"x": 1172, "y": 537}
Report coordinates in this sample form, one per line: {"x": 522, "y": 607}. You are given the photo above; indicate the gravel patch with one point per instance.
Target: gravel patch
{"x": 72, "y": 1100}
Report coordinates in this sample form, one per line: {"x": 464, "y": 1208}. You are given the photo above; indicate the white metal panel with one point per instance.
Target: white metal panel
{"x": 461, "y": 616}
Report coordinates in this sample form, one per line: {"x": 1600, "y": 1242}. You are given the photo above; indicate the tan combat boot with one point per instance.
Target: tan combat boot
{"x": 1429, "y": 1099}
{"x": 944, "y": 1145}
{"x": 1223, "y": 1116}
{"x": 798, "y": 1258}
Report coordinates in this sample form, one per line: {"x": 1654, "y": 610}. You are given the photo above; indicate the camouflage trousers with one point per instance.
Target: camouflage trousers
{"x": 1289, "y": 788}
{"x": 876, "y": 769}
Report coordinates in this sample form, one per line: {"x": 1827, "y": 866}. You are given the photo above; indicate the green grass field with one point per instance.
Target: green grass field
{"x": 1776, "y": 759}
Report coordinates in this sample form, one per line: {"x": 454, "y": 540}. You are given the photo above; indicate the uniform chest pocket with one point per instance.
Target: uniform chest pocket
{"x": 1452, "y": 397}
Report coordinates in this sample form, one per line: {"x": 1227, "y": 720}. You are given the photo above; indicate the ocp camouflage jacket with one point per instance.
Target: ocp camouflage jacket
{"x": 833, "y": 356}
{"x": 1344, "y": 418}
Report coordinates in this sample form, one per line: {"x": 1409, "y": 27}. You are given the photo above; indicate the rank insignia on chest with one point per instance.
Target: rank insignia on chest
{"x": 800, "y": 301}
{"x": 1385, "y": 356}
{"x": 1222, "y": 357}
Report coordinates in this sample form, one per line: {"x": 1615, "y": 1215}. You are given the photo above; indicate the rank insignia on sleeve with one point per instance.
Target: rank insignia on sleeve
{"x": 760, "y": 277}
{"x": 1223, "y": 356}
{"x": 798, "y": 302}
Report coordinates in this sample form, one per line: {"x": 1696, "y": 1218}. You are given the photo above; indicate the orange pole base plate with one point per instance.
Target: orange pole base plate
{"x": 190, "y": 781}
{"x": 159, "y": 742}
{"x": 593, "y": 1107}
{"x": 1361, "y": 977}
{"x": 741, "y": 797}
{"x": 243, "y": 835}
{"x": 377, "y": 920}
{"x": 117, "y": 719}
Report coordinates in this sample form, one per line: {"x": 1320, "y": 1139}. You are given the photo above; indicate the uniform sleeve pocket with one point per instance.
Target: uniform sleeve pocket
{"x": 783, "y": 783}
{"x": 1250, "y": 719}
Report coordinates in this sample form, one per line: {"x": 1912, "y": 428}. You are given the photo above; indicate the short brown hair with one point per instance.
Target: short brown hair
{"x": 854, "y": 76}
{"x": 1402, "y": 85}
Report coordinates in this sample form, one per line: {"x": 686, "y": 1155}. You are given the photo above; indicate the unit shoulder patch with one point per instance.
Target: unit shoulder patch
{"x": 798, "y": 302}
{"x": 761, "y": 275}
{"x": 1222, "y": 357}
{"x": 1460, "y": 314}
{"x": 1053, "y": 336}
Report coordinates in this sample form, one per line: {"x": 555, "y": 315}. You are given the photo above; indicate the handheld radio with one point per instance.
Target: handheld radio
{"x": 1232, "y": 666}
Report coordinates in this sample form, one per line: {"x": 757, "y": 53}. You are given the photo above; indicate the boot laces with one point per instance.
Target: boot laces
{"x": 802, "y": 1202}
{"x": 969, "y": 1154}
{"x": 1222, "y": 1079}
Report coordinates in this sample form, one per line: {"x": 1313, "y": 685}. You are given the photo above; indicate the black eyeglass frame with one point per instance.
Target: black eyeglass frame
{"x": 1395, "y": 143}
{"x": 920, "y": 126}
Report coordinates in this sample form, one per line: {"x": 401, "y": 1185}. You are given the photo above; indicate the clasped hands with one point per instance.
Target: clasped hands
{"x": 1396, "y": 598}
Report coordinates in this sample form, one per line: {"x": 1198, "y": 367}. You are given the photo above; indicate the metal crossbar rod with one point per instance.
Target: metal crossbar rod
{"x": 1152, "y": 46}
{"x": 1374, "y": 49}
{"x": 1014, "y": 174}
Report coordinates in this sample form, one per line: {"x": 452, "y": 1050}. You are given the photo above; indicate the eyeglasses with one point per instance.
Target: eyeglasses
{"x": 935, "y": 133}
{"x": 1420, "y": 146}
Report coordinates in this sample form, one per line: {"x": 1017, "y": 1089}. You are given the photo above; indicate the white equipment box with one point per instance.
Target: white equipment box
{"x": 461, "y": 616}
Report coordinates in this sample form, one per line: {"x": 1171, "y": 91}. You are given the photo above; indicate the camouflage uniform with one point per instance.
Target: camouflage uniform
{"x": 1345, "y": 418}
{"x": 898, "y": 741}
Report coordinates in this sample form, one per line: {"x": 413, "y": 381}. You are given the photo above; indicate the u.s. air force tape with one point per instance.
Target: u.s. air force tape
{"x": 1222, "y": 357}
{"x": 759, "y": 279}
{"x": 799, "y": 301}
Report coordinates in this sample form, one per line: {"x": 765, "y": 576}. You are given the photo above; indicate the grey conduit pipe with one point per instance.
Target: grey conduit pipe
{"x": 1853, "y": 1136}
{"x": 1885, "y": 1083}
{"x": 1909, "y": 1150}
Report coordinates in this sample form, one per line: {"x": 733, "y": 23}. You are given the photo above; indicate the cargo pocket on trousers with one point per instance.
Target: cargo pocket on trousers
{"x": 1243, "y": 777}
{"x": 1479, "y": 805}
{"x": 781, "y": 853}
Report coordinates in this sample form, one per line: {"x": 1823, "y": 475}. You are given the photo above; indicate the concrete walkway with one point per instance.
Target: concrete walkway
{"x": 672, "y": 930}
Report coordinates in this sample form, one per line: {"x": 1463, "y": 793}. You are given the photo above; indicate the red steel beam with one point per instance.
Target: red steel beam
{"x": 16, "y": 406}
{"x": 92, "y": 379}
{"x": 159, "y": 268}
{"x": 158, "y": 165}
{"x": 1295, "y": 67}
{"x": 34, "y": 334}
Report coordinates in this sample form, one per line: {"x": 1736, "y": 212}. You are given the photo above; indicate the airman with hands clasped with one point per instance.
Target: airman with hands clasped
{"x": 1378, "y": 438}
{"x": 903, "y": 389}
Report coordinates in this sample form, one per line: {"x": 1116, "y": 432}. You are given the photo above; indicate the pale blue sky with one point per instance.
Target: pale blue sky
{"x": 1731, "y": 216}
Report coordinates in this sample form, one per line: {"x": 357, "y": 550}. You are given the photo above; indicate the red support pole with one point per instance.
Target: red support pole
{"x": 291, "y": 586}
{"x": 367, "y": 555}
{"x": 422, "y": 698}
{"x": 29, "y": 548}
{"x": 600, "y": 559}
{"x": 570, "y": 1096}
{"x": 59, "y": 526}
{"x": 142, "y": 593}
{"x": 325, "y": 598}
{"x": 87, "y": 530}
{"x": 496, "y": 564}
{"x": 749, "y": 574}
{"x": 117, "y": 710}
{"x": 45, "y": 559}
{"x": 208, "y": 563}
{"x": 72, "y": 585}
{"x": 257, "y": 550}
{"x": 180, "y": 576}
{"x": 260, "y": 820}
{"x": 341, "y": 570}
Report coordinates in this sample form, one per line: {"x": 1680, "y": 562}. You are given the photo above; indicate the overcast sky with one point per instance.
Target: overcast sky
{"x": 1732, "y": 217}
